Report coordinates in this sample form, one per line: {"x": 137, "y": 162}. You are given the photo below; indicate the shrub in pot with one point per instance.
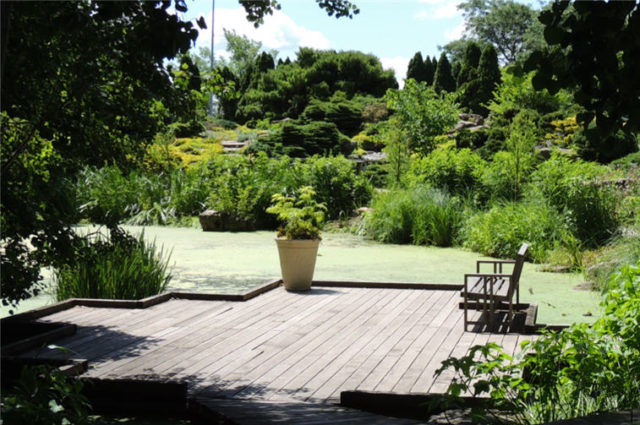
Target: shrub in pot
{"x": 298, "y": 237}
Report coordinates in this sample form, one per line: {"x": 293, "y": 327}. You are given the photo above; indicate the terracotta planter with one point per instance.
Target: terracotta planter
{"x": 297, "y": 262}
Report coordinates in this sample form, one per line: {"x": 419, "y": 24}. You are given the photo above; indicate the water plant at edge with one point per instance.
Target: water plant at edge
{"x": 119, "y": 267}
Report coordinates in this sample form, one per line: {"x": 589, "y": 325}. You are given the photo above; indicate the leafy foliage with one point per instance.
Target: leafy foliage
{"x": 511, "y": 27}
{"x": 122, "y": 267}
{"x": 82, "y": 83}
{"x": 36, "y": 208}
{"x": 593, "y": 48}
{"x": 301, "y": 215}
{"x": 301, "y": 140}
{"x": 500, "y": 231}
{"x": 571, "y": 187}
{"x": 566, "y": 374}
{"x": 43, "y": 396}
{"x": 422, "y": 113}
{"x": 256, "y": 11}
{"x": 418, "y": 215}
{"x": 455, "y": 171}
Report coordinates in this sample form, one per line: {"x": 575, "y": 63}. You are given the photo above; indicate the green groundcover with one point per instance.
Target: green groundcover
{"x": 224, "y": 262}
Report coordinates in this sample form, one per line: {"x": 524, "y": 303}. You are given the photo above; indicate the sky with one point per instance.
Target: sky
{"x": 392, "y": 30}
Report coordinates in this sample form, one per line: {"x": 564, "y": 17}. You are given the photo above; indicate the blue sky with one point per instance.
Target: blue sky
{"x": 393, "y": 30}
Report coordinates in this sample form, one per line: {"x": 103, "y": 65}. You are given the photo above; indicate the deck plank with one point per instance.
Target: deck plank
{"x": 283, "y": 348}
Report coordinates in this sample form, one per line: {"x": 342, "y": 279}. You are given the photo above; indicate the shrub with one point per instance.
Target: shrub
{"x": 345, "y": 114}
{"x": 471, "y": 139}
{"x": 105, "y": 195}
{"x": 571, "y": 187}
{"x": 575, "y": 372}
{"x": 44, "y": 395}
{"x": 498, "y": 178}
{"x": 500, "y": 231}
{"x": 300, "y": 140}
{"x": 419, "y": 215}
{"x": 593, "y": 147}
{"x": 336, "y": 183}
{"x": 243, "y": 186}
{"x": 455, "y": 171}
{"x": 600, "y": 265}
{"x": 121, "y": 267}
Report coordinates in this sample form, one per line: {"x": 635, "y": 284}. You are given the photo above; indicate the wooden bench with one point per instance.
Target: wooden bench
{"x": 489, "y": 290}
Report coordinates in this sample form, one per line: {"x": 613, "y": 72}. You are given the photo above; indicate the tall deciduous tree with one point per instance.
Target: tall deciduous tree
{"x": 511, "y": 27}
{"x": 443, "y": 78}
{"x": 82, "y": 83}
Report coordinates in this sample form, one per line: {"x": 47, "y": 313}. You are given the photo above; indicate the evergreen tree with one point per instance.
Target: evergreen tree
{"x": 265, "y": 62}
{"x": 416, "y": 68}
{"x": 455, "y": 71}
{"x": 429, "y": 70}
{"x": 469, "y": 64}
{"x": 489, "y": 77}
{"x": 443, "y": 80}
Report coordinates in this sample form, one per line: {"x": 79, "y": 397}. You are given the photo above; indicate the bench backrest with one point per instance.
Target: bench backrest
{"x": 517, "y": 268}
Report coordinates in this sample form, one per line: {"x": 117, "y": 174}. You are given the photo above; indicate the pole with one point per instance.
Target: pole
{"x": 211, "y": 59}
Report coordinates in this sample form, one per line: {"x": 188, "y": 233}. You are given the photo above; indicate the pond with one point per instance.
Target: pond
{"x": 224, "y": 262}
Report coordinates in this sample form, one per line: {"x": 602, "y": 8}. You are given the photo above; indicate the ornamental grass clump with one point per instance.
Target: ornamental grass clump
{"x": 119, "y": 267}
{"x": 301, "y": 216}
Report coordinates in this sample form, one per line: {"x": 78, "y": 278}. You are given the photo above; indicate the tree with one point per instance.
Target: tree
{"x": 594, "y": 49}
{"x": 422, "y": 113}
{"x": 469, "y": 67}
{"x": 489, "y": 77}
{"x": 82, "y": 83}
{"x": 256, "y": 10}
{"x": 520, "y": 143}
{"x": 443, "y": 79}
{"x": 416, "y": 68}
{"x": 429, "y": 70}
{"x": 511, "y": 27}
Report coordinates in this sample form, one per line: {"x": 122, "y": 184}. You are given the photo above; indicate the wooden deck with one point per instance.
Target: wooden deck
{"x": 281, "y": 348}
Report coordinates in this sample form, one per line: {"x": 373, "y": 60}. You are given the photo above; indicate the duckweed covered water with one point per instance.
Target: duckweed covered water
{"x": 224, "y": 262}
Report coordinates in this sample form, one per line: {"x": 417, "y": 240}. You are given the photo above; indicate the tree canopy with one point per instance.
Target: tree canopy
{"x": 511, "y": 27}
{"x": 257, "y": 10}
{"x": 593, "y": 47}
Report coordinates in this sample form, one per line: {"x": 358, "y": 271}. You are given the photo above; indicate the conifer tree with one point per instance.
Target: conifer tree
{"x": 489, "y": 77}
{"x": 469, "y": 64}
{"x": 416, "y": 68}
{"x": 443, "y": 80}
{"x": 429, "y": 70}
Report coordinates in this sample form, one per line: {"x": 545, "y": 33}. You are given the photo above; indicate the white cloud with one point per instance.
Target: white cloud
{"x": 278, "y": 32}
{"x": 399, "y": 65}
{"x": 448, "y": 10}
{"x": 439, "y": 9}
{"x": 421, "y": 15}
{"x": 455, "y": 33}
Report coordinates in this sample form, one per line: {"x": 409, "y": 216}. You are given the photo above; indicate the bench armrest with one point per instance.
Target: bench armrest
{"x": 497, "y": 264}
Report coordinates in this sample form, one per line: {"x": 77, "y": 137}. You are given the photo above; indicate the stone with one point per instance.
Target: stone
{"x": 211, "y": 221}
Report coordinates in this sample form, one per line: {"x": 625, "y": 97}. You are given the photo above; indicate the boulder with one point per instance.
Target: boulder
{"x": 475, "y": 118}
{"x": 216, "y": 221}
{"x": 211, "y": 221}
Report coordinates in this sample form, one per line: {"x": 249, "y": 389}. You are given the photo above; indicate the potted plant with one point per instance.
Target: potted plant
{"x": 299, "y": 236}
